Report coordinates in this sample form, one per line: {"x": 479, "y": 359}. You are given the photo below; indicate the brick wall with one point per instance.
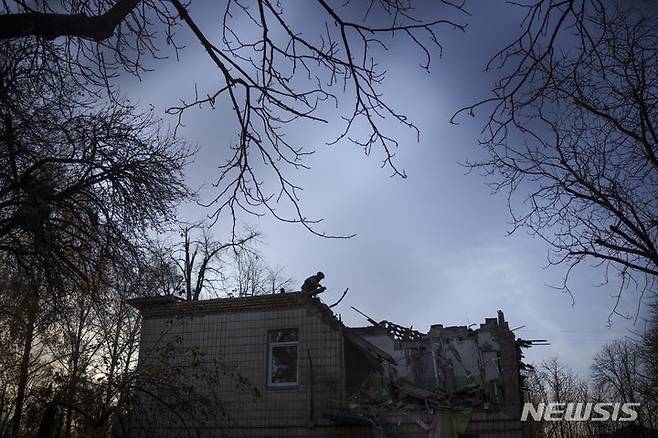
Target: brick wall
{"x": 239, "y": 341}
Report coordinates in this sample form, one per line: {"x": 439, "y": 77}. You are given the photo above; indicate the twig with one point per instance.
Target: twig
{"x": 341, "y": 298}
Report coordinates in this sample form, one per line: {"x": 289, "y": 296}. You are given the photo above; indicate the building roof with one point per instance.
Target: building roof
{"x": 169, "y": 304}
{"x": 367, "y": 346}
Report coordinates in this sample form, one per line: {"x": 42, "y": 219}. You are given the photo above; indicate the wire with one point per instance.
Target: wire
{"x": 553, "y": 341}
{"x": 578, "y": 331}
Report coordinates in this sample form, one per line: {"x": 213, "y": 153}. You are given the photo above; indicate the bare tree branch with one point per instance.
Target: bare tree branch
{"x": 52, "y": 25}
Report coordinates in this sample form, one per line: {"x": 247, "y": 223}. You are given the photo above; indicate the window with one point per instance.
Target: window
{"x": 283, "y": 361}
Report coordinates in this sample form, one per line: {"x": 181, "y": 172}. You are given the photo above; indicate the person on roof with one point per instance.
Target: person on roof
{"x": 312, "y": 284}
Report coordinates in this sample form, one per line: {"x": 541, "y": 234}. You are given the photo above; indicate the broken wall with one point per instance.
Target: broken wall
{"x": 480, "y": 365}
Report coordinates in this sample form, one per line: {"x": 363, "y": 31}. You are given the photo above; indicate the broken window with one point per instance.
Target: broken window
{"x": 283, "y": 363}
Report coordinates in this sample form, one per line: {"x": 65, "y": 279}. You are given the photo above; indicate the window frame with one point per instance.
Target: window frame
{"x": 270, "y": 348}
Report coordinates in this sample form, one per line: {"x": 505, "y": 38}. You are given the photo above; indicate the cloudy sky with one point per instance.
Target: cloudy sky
{"x": 433, "y": 248}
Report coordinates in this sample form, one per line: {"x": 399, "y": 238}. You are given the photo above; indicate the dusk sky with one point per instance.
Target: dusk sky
{"x": 432, "y": 248}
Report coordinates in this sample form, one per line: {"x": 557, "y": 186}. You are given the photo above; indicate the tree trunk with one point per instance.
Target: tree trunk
{"x": 22, "y": 379}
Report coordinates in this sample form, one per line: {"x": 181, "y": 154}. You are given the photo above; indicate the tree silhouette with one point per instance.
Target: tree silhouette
{"x": 84, "y": 182}
{"x": 572, "y": 132}
{"x": 273, "y": 73}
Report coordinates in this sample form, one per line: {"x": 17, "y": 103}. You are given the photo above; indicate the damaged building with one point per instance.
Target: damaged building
{"x": 285, "y": 365}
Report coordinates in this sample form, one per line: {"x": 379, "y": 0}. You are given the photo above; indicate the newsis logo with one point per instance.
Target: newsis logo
{"x": 580, "y": 411}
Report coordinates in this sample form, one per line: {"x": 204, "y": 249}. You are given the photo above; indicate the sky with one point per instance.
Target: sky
{"x": 432, "y": 248}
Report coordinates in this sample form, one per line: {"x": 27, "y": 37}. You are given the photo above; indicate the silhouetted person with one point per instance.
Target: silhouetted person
{"x": 312, "y": 284}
